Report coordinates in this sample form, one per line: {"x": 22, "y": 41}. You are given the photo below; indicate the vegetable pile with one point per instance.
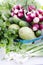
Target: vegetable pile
{"x": 19, "y": 23}
{"x": 33, "y": 16}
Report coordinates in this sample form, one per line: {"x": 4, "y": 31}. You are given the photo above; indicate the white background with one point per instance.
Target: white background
{"x": 40, "y": 1}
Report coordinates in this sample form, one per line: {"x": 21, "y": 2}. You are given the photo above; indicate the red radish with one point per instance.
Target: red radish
{"x": 21, "y": 7}
{"x": 35, "y": 27}
{"x": 42, "y": 14}
{"x": 41, "y": 18}
{"x": 37, "y": 13}
{"x": 36, "y": 20}
{"x": 33, "y": 11}
{"x": 28, "y": 13}
{"x": 12, "y": 14}
{"x": 20, "y": 15}
{"x": 40, "y": 11}
{"x": 31, "y": 7}
{"x": 16, "y": 11}
{"x": 17, "y": 7}
{"x": 32, "y": 15}
{"x": 41, "y": 26}
{"x": 28, "y": 19}
{"x": 21, "y": 10}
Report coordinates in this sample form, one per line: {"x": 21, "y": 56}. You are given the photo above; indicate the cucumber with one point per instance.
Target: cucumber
{"x": 14, "y": 20}
{"x": 23, "y": 23}
{"x": 38, "y": 33}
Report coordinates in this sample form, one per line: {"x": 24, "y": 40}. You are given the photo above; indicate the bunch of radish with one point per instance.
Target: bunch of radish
{"x": 36, "y": 17}
{"x": 18, "y": 11}
{"x": 33, "y": 16}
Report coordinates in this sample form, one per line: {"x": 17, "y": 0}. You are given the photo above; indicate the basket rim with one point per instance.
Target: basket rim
{"x": 28, "y": 41}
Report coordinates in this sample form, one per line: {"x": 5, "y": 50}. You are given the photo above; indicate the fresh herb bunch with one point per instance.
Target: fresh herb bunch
{"x": 6, "y": 34}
